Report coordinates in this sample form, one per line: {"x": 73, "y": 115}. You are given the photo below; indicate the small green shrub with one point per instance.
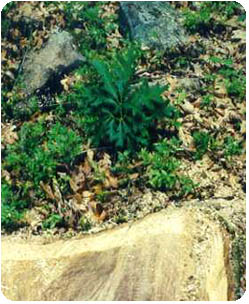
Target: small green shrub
{"x": 225, "y": 8}
{"x": 18, "y": 108}
{"x": 12, "y": 207}
{"x": 235, "y": 80}
{"x": 236, "y": 86}
{"x": 52, "y": 221}
{"x": 38, "y": 152}
{"x": 63, "y": 144}
{"x": 201, "y": 141}
{"x": 204, "y": 141}
{"x": 162, "y": 165}
{"x": 94, "y": 28}
{"x": 32, "y": 159}
{"x": 122, "y": 163}
{"x": 27, "y": 157}
{"x": 6, "y": 21}
{"x": 207, "y": 101}
{"x": 84, "y": 223}
{"x": 232, "y": 147}
{"x": 41, "y": 166}
{"x": 118, "y": 111}
{"x": 202, "y": 19}
{"x": 197, "y": 21}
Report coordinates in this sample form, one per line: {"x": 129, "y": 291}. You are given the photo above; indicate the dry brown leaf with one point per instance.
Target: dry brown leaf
{"x": 3, "y": 55}
{"x": 97, "y": 210}
{"x": 33, "y": 217}
{"x": 133, "y": 176}
{"x": 87, "y": 194}
{"x": 90, "y": 155}
{"x": 73, "y": 185}
{"x": 102, "y": 216}
{"x": 86, "y": 167}
{"x": 98, "y": 188}
{"x": 65, "y": 83}
{"x": 48, "y": 190}
{"x": 135, "y": 165}
{"x": 26, "y": 10}
{"x": 239, "y": 35}
{"x": 187, "y": 107}
{"x": 243, "y": 127}
{"x": 78, "y": 197}
{"x": 185, "y": 137}
{"x": 8, "y": 134}
{"x": 78, "y": 179}
{"x": 78, "y": 204}
{"x": 92, "y": 205}
{"x": 105, "y": 162}
{"x": 173, "y": 81}
{"x": 219, "y": 87}
{"x": 192, "y": 38}
{"x": 110, "y": 180}
{"x": 6, "y": 175}
{"x": 233, "y": 181}
{"x": 58, "y": 197}
{"x": 9, "y": 74}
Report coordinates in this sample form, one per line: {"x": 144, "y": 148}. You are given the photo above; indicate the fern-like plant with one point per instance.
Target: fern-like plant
{"x": 118, "y": 110}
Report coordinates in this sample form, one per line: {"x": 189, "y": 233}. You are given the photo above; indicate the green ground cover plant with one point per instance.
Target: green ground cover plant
{"x": 205, "y": 142}
{"x": 86, "y": 15}
{"x": 162, "y": 167}
{"x": 34, "y": 159}
{"x": 198, "y": 21}
{"x": 209, "y": 15}
{"x": 235, "y": 81}
{"x": 232, "y": 147}
{"x": 12, "y": 206}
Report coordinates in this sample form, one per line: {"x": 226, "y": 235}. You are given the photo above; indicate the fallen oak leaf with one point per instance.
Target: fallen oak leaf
{"x": 98, "y": 188}
{"x": 73, "y": 185}
{"x": 133, "y": 176}
{"x": 111, "y": 180}
{"x": 90, "y": 155}
{"x": 77, "y": 181}
{"x": 105, "y": 162}
{"x": 135, "y": 165}
{"x": 8, "y": 135}
{"x": 65, "y": 83}
{"x": 97, "y": 210}
{"x": 187, "y": 107}
{"x": 86, "y": 167}
{"x": 87, "y": 194}
{"x": 48, "y": 190}
{"x": 7, "y": 176}
{"x": 58, "y": 197}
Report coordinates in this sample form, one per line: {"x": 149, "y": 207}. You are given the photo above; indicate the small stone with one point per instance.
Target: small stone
{"x": 154, "y": 23}
{"x": 57, "y": 57}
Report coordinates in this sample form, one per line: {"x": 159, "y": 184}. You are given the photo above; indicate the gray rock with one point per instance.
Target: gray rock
{"x": 189, "y": 84}
{"x": 58, "y": 56}
{"x": 155, "y": 24}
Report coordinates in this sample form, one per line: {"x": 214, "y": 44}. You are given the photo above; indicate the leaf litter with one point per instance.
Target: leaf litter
{"x": 97, "y": 194}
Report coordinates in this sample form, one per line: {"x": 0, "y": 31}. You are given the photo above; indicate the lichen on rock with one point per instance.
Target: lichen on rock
{"x": 155, "y": 24}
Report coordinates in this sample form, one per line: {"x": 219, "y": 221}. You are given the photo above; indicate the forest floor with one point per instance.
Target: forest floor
{"x": 102, "y": 188}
